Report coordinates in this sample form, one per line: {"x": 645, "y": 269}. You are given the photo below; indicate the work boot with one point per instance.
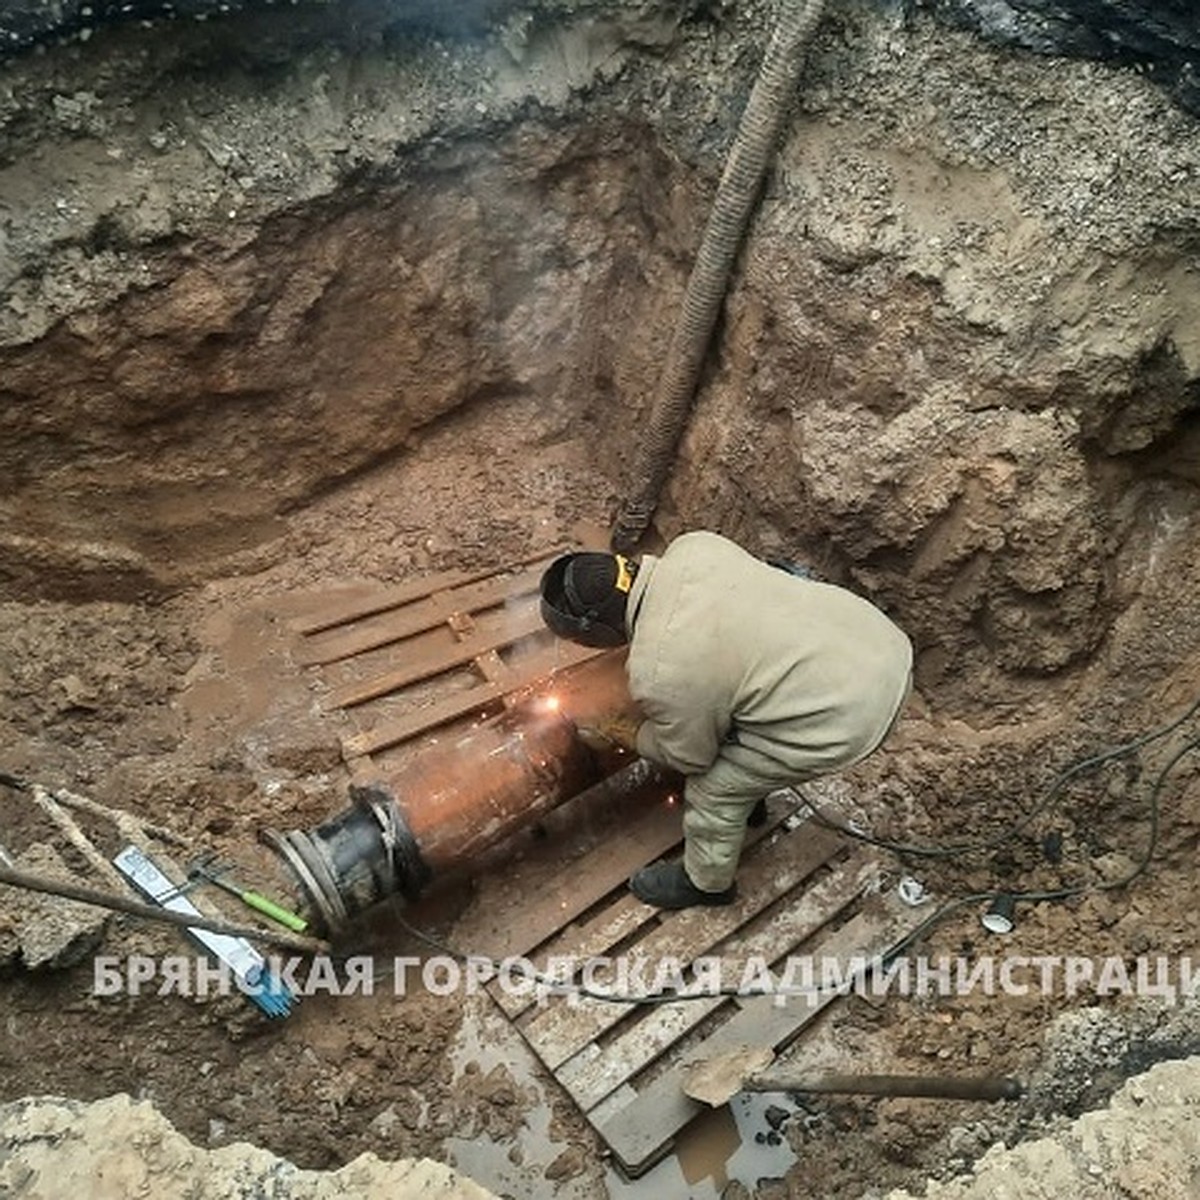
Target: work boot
{"x": 666, "y": 885}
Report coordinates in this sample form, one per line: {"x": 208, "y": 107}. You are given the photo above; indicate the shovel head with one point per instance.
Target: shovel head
{"x": 718, "y": 1079}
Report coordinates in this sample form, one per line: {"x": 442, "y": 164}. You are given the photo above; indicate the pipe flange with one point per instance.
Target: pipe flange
{"x": 307, "y": 865}
{"x": 409, "y": 872}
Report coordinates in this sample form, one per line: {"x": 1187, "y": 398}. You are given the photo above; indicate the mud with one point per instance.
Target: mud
{"x": 315, "y": 314}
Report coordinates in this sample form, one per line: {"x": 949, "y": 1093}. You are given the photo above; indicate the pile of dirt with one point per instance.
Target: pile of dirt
{"x": 1145, "y": 1143}
{"x": 116, "y": 1148}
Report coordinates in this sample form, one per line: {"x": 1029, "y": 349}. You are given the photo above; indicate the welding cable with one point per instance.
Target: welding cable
{"x": 933, "y": 850}
{"x": 1055, "y": 894}
{"x": 559, "y": 987}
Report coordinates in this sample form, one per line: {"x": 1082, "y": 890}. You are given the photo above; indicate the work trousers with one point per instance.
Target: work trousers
{"x": 717, "y": 805}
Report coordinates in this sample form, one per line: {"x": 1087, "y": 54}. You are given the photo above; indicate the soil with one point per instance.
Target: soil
{"x": 148, "y": 708}
{"x": 315, "y": 319}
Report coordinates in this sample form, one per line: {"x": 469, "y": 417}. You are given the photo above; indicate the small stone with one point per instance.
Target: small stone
{"x": 776, "y": 1116}
{"x": 53, "y": 932}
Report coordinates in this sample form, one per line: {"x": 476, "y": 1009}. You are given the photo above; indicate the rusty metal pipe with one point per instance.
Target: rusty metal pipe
{"x": 468, "y": 795}
{"x": 444, "y": 808}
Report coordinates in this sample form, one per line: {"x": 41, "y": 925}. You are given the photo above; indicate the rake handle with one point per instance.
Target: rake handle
{"x": 118, "y": 903}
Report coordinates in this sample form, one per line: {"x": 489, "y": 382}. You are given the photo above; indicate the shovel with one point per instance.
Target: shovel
{"x": 718, "y": 1079}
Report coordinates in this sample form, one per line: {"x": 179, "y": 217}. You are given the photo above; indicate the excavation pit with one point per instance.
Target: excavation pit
{"x": 295, "y": 315}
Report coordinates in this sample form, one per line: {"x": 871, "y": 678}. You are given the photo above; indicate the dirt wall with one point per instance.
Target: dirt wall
{"x": 960, "y": 364}
{"x": 118, "y": 1147}
{"x": 1144, "y": 1144}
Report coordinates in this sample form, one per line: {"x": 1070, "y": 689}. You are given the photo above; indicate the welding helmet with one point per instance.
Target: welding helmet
{"x": 584, "y": 596}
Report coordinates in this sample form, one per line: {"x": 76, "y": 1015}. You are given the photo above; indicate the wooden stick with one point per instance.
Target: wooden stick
{"x": 63, "y": 819}
{"x": 134, "y": 908}
{"x": 126, "y": 823}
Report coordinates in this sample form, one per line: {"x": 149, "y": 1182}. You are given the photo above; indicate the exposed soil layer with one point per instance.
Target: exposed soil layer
{"x": 301, "y": 317}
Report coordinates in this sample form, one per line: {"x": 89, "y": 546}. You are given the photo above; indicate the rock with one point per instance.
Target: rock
{"x": 776, "y": 1116}
{"x": 1144, "y": 1146}
{"x": 567, "y": 1165}
{"x": 1161, "y": 36}
{"x": 43, "y": 930}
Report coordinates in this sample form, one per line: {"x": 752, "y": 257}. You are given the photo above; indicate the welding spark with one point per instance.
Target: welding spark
{"x": 551, "y": 702}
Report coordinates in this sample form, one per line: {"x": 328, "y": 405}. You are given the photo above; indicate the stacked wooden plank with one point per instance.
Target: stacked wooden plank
{"x": 800, "y": 895}
{"x": 405, "y": 660}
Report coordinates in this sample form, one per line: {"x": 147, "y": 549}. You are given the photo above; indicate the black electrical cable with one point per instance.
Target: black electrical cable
{"x": 1007, "y": 835}
{"x": 1035, "y": 897}
{"x": 562, "y": 988}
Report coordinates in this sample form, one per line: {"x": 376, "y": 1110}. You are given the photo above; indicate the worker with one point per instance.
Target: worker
{"x": 747, "y": 678}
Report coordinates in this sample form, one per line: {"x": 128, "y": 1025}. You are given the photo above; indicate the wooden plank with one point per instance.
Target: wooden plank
{"x": 644, "y": 1129}
{"x": 405, "y": 593}
{"x": 563, "y": 1029}
{"x": 437, "y": 660}
{"x": 611, "y": 1105}
{"x": 427, "y": 613}
{"x": 625, "y": 916}
{"x": 429, "y": 716}
{"x": 618, "y": 920}
{"x": 493, "y": 668}
{"x": 595, "y": 1071}
{"x": 383, "y": 599}
{"x": 581, "y": 884}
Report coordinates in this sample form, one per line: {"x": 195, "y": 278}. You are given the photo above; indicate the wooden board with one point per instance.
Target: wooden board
{"x": 556, "y": 937}
{"x": 593, "y": 1073}
{"x": 342, "y": 612}
{"x": 565, "y": 1028}
{"x": 560, "y": 902}
{"x": 487, "y": 640}
{"x": 417, "y": 615}
{"x": 643, "y": 1128}
{"x": 800, "y": 892}
{"x": 430, "y": 716}
{"x": 393, "y": 660}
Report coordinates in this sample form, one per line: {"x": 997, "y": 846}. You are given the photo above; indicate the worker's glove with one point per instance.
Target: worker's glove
{"x": 613, "y": 731}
